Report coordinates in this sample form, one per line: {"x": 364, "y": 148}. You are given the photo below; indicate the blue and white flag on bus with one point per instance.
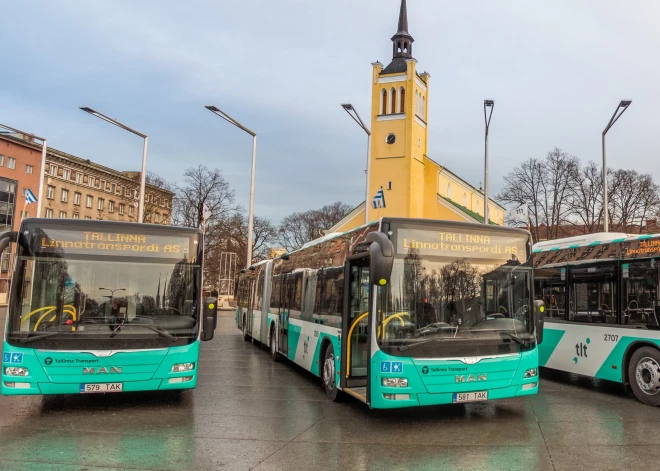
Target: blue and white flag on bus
{"x": 29, "y": 197}
{"x": 379, "y": 199}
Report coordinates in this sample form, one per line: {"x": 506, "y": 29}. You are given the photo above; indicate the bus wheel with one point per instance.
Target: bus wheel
{"x": 273, "y": 346}
{"x": 246, "y": 337}
{"x": 644, "y": 375}
{"x": 328, "y": 375}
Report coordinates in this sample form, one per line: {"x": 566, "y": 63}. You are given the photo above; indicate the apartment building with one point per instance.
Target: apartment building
{"x": 80, "y": 189}
{"x": 20, "y": 164}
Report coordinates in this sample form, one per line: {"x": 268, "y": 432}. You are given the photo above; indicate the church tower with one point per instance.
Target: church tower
{"x": 399, "y": 114}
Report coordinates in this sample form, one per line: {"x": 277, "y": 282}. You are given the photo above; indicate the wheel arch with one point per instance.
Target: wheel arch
{"x": 630, "y": 351}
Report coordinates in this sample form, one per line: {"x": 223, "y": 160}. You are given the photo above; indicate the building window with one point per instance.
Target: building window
{"x": 156, "y": 218}
{"x": 51, "y": 192}
{"x": 113, "y": 188}
{"x": 66, "y": 174}
{"x": 88, "y": 217}
{"x": 79, "y": 178}
{"x": 2, "y": 160}
{"x": 65, "y": 195}
{"x": 91, "y": 181}
{"x": 53, "y": 170}
{"x": 449, "y": 190}
{"x": 11, "y": 163}
{"x": 49, "y": 213}
{"x": 100, "y": 205}
{"x": 29, "y": 169}
{"x": 62, "y": 214}
{"x": 464, "y": 200}
{"x": 393, "y": 102}
{"x": 90, "y": 198}
{"x": 130, "y": 210}
{"x": 121, "y": 208}
{"x": 383, "y": 102}
{"x": 402, "y": 100}
{"x": 111, "y": 206}
{"x": 76, "y": 216}
{"x": 76, "y": 198}
{"x": 4, "y": 262}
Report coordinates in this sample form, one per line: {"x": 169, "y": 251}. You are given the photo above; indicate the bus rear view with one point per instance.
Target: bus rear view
{"x": 103, "y": 307}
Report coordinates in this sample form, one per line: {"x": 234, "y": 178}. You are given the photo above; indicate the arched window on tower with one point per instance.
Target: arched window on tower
{"x": 405, "y": 48}
{"x": 393, "y": 103}
{"x": 398, "y": 47}
{"x": 383, "y": 102}
{"x": 402, "y": 100}
{"x": 424, "y": 108}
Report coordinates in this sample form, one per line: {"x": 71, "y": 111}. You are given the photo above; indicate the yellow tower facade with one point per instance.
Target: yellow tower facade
{"x": 413, "y": 185}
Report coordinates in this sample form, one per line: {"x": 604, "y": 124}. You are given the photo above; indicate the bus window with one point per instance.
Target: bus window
{"x": 640, "y": 298}
{"x": 593, "y": 294}
{"x": 551, "y": 289}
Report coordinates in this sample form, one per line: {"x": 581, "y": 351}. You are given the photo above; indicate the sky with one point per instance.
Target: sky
{"x": 556, "y": 69}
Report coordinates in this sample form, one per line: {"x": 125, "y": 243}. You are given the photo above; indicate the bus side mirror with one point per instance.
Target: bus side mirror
{"x": 381, "y": 258}
{"x": 539, "y": 319}
{"x": 210, "y": 318}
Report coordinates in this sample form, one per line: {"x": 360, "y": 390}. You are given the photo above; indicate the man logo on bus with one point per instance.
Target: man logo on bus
{"x": 581, "y": 350}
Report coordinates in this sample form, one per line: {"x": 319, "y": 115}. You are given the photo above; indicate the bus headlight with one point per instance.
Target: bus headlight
{"x": 182, "y": 367}
{"x": 395, "y": 382}
{"x": 16, "y": 371}
{"x": 531, "y": 373}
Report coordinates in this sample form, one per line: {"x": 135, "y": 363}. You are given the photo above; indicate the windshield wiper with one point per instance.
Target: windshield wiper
{"x": 405, "y": 347}
{"x": 515, "y": 338}
{"x": 156, "y": 328}
{"x": 29, "y": 337}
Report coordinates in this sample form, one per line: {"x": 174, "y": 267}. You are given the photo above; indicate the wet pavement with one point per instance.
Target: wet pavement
{"x": 251, "y": 413}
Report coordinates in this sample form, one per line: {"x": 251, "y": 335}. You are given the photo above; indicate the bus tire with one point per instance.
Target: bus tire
{"x": 328, "y": 375}
{"x": 273, "y": 345}
{"x": 246, "y": 337}
{"x": 644, "y": 375}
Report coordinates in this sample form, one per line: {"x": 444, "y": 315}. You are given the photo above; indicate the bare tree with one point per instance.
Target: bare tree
{"x": 299, "y": 228}
{"x": 560, "y": 171}
{"x": 203, "y": 187}
{"x": 586, "y": 198}
{"x": 632, "y": 196}
{"x": 523, "y": 186}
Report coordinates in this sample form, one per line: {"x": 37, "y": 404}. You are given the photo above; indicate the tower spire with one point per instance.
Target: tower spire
{"x": 403, "y": 19}
{"x": 402, "y": 43}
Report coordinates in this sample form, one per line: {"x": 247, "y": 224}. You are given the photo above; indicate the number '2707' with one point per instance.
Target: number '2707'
{"x": 611, "y": 338}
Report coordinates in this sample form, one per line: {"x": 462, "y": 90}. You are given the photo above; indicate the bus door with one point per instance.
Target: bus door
{"x": 288, "y": 294}
{"x": 356, "y": 320}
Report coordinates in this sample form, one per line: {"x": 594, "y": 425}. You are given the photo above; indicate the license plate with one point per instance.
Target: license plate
{"x": 101, "y": 388}
{"x": 470, "y": 397}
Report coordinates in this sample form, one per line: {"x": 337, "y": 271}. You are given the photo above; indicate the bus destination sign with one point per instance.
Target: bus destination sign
{"x": 114, "y": 243}
{"x": 461, "y": 244}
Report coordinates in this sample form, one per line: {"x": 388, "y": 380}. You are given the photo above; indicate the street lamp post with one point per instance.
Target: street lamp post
{"x": 143, "y": 174}
{"x": 215, "y": 110}
{"x": 487, "y": 104}
{"x": 44, "y": 151}
{"x": 623, "y": 106}
{"x": 352, "y": 112}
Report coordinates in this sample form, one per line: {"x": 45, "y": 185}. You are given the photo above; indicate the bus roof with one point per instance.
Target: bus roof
{"x": 579, "y": 241}
{"x": 83, "y": 224}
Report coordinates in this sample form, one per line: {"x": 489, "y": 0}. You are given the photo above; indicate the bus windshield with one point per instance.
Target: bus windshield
{"x": 89, "y": 289}
{"x": 456, "y": 294}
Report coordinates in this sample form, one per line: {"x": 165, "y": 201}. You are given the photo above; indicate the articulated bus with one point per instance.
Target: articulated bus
{"x": 402, "y": 312}
{"x": 104, "y": 307}
{"x": 602, "y": 308}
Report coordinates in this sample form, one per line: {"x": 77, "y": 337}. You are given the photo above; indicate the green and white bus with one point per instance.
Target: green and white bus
{"x": 602, "y": 308}
{"x": 402, "y": 312}
{"x": 104, "y": 307}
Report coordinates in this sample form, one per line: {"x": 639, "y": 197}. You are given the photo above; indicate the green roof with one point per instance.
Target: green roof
{"x": 469, "y": 212}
